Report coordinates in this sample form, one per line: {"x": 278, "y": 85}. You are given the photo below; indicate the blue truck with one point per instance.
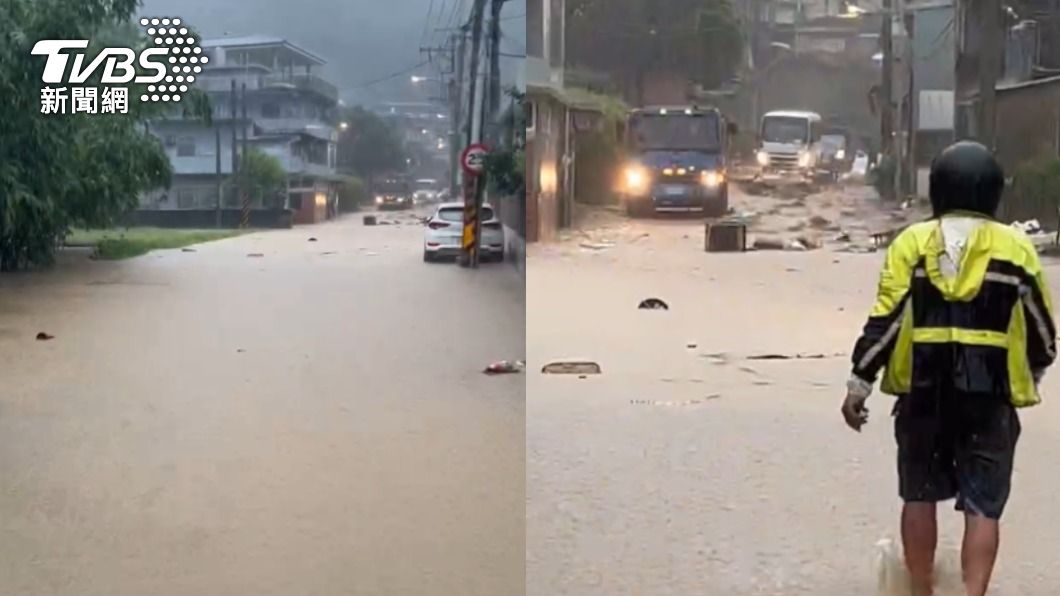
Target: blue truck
{"x": 676, "y": 161}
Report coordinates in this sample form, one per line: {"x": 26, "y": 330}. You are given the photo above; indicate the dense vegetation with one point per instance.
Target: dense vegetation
{"x": 60, "y": 171}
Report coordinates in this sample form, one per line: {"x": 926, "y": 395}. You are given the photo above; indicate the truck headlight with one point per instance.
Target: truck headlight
{"x": 841, "y": 154}
{"x": 804, "y": 159}
{"x": 763, "y": 158}
{"x": 636, "y": 178}
{"x": 712, "y": 179}
{"x": 379, "y": 200}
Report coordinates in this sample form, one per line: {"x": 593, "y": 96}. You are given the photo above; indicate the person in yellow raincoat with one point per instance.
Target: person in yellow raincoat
{"x": 963, "y": 331}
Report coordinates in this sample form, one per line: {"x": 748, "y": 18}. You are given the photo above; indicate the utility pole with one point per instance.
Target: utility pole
{"x": 477, "y": 16}
{"x": 245, "y": 181}
{"x": 456, "y": 99}
{"x": 220, "y": 178}
{"x": 887, "y": 94}
{"x": 235, "y": 145}
{"x": 494, "y": 97}
{"x": 989, "y": 24}
{"x": 887, "y": 86}
{"x": 473, "y": 200}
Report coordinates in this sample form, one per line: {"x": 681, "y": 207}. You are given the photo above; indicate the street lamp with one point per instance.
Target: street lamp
{"x": 344, "y": 125}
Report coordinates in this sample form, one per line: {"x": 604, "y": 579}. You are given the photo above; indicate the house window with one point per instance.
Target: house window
{"x": 531, "y": 118}
{"x": 185, "y": 198}
{"x": 208, "y": 197}
{"x": 185, "y": 146}
{"x": 270, "y": 110}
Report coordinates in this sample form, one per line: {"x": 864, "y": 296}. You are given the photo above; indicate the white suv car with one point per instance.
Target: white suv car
{"x": 446, "y": 228}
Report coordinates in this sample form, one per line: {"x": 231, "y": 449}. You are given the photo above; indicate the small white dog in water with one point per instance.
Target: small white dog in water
{"x": 894, "y": 579}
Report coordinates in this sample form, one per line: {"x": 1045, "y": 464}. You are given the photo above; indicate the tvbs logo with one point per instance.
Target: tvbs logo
{"x": 168, "y": 68}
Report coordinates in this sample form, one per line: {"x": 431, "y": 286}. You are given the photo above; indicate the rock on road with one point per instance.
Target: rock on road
{"x": 312, "y": 421}
{"x": 689, "y": 468}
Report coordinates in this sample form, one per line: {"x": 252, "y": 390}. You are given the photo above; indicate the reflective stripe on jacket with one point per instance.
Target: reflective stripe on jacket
{"x": 987, "y": 328}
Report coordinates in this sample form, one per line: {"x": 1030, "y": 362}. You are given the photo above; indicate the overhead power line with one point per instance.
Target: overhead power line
{"x": 390, "y": 76}
{"x": 427, "y": 21}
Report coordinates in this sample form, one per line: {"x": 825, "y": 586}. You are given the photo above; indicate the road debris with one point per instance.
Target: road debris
{"x": 857, "y": 249}
{"x": 596, "y": 245}
{"x": 571, "y": 368}
{"x": 330, "y": 252}
{"x": 187, "y": 250}
{"x": 795, "y": 356}
{"x": 312, "y": 239}
{"x": 672, "y": 403}
{"x": 820, "y": 222}
{"x": 653, "y": 304}
{"x": 766, "y": 243}
{"x": 255, "y": 255}
{"x": 691, "y": 345}
{"x": 717, "y": 357}
{"x": 42, "y": 336}
{"x": 505, "y": 367}
{"x": 369, "y": 220}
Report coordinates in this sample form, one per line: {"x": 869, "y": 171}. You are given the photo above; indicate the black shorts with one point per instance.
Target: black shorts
{"x": 956, "y": 446}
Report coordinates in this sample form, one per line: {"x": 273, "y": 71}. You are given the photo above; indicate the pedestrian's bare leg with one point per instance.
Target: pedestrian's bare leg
{"x": 919, "y": 537}
{"x": 978, "y": 552}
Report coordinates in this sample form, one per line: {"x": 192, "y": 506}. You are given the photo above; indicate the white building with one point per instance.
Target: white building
{"x": 289, "y": 110}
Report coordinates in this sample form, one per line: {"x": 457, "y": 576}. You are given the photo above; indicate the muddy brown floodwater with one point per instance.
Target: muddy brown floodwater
{"x": 313, "y": 421}
{"x": 690, "y": 467}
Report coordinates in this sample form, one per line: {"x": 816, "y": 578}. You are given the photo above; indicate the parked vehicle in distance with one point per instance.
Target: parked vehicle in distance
{"x": 789, "y": 144}
{"x": 393, "y": 193}
{"x": 836, "y": 154}
{"x": 445, "y": 231}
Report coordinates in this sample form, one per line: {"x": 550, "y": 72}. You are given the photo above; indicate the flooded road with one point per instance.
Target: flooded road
{"x": 692, "y": 467}
{"x": 309, "y": 421}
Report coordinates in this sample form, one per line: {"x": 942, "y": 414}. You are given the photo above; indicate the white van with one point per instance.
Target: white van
{"x": 789, "y": 143}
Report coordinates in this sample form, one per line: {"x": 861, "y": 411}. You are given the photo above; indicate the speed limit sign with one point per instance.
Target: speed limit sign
{"x": 473, "y": 159}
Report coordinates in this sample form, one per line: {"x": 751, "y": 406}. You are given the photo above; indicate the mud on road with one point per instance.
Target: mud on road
{"x": 309, "y": 420}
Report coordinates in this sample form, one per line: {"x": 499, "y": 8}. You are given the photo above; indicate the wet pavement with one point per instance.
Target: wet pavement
{"x": 692, "y": 466}
{"x": 310, "y": 421}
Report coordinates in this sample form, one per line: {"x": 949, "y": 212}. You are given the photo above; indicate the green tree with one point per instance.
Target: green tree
{"x": 264, "y": 174}
{"x": 369, "y": 146}
{"x": 506, "y": 164}
{"x": 700, "y": 40}
{"x": 58, "y": 171}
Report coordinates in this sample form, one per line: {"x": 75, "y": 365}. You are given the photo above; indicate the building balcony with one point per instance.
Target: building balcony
{"x": 305, "y": 82}
{"x": 540, "y": 74}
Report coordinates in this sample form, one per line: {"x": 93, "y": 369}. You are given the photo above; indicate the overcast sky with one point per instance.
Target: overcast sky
{"x": 362, "y": 40}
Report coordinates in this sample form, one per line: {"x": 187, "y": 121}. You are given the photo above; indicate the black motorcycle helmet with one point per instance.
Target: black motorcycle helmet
{"x": 966, "y": 177}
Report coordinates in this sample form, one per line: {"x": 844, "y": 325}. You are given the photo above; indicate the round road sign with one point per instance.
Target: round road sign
{"x": 473, "y": 159}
